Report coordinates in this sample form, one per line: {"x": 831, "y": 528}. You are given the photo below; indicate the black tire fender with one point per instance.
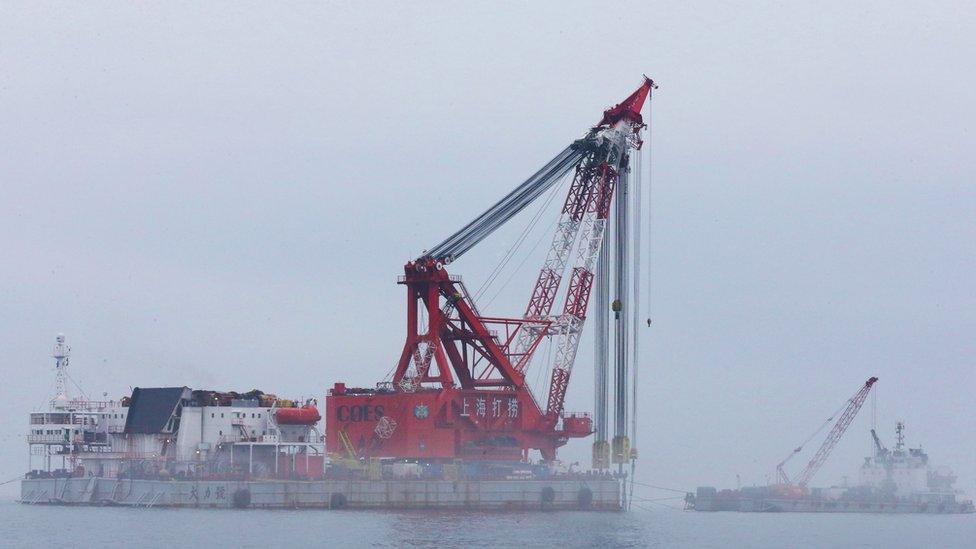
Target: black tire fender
{"x": 584, "y": 497}
{"x": 548, "y": 495}
{"x": 242, "y": 498}
{"x": 337, "y": 501}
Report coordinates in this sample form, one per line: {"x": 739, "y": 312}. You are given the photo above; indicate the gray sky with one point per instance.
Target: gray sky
{"x": 222, "y": 196}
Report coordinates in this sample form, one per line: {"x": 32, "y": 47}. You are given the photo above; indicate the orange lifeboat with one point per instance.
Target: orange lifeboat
{"x": 306, "y": 415}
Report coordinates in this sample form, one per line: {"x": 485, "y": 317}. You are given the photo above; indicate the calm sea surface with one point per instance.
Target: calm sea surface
{"x": 41, "y": 526}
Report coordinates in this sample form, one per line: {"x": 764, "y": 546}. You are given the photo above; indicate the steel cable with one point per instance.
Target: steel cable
{"x": 503, "y": 210}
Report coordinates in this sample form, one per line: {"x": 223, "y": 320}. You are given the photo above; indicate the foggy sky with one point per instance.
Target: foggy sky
{"x": 222, "y": 196}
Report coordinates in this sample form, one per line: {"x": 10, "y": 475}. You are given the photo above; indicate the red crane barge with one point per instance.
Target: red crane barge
{"x": 459, "y": 390}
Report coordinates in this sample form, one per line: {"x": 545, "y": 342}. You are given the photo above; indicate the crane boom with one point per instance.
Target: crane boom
{"x": 459, "y": 389}
{"x": 494, "y": 217}
{"x": 877, "y": 443}
{"x": 583, "y": 220}
{"x": 835, "y": 434}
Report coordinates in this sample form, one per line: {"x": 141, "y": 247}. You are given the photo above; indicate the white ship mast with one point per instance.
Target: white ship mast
{"x": 62, "y": 355}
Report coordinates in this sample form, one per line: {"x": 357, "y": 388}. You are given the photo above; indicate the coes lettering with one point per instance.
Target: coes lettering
{"x": 363, "y": 412}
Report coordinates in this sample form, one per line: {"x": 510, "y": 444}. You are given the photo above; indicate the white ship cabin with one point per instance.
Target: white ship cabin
{"x": 904, "y": 471}
{"x": 176, "y": 432}
{"x": 71, "y": 426}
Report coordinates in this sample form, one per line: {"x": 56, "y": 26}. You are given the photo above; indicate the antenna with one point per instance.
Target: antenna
{"x": 61, "y": 355}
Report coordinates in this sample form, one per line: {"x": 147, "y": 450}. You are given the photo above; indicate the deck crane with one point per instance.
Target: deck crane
{"x": 880, "y": 450}
{"x": 459, "y": 388}
{"x": 850, "y": 410}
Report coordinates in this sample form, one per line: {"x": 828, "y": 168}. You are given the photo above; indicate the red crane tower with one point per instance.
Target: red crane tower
{"x": 459, "y": 388}
{"x": 843, "y": 422}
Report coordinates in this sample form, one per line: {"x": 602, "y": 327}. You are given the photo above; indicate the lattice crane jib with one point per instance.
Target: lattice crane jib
{"x": 450, "y": 342}
{"x": 844, "y": 421}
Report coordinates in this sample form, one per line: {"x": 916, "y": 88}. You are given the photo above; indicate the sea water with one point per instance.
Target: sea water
{"x": 652, "y": 526}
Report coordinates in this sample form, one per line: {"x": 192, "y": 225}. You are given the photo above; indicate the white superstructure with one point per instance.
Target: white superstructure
{"x": 173, "y": 432}
{"x": 903, "y": 471}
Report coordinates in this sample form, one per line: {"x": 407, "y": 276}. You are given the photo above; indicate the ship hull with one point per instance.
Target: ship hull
{"x": 774, "y": 505}
{"x": 601, "y": 494}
